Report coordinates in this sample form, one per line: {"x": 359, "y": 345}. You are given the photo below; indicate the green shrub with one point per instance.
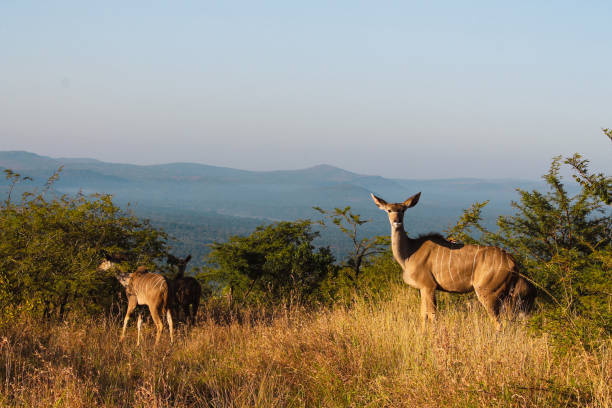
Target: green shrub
{"x": 50, "y": 248}
{"x": 563, "y": 242}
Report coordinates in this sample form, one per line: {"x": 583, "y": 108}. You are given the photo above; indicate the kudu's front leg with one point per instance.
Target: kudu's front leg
{"x": 131, "y": 306}
{"x": 490, "y": 301}
{"x": 428, "y": 306}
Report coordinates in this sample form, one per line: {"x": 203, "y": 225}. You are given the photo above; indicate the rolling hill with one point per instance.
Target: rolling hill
{"x": 198, "y": 204}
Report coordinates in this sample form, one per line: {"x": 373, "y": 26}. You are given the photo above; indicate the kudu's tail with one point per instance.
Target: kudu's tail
{"x": 522, "y": 294}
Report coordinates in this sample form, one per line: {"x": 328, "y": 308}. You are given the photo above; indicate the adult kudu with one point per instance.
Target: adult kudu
{"x": 186, "y": 289}
{"x": 143, "y": 288}
{"x": 432, "y": 263}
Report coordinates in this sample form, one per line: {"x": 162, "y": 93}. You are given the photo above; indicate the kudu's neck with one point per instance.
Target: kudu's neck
{"x": 401, "y": 245}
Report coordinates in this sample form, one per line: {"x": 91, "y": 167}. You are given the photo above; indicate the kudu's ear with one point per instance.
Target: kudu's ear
{"x": 412, "y": 201}
{"x": 379, "y": 202}
{"x": 188, "y": 258}
{"x": 114, "y": 257}
{"x": 172, "y": 260}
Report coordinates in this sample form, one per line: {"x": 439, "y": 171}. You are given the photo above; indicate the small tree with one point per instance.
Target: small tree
{"x": 596, "y": 184}
{"x": 468, "y": 224}
{"x": 362, "y": 248}
{"x": 273, "y": 264}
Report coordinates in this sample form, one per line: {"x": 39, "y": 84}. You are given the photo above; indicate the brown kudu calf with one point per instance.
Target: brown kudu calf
{"x": 432, "y": 263}
{"x": 144, "y": 288}
{"x": 186, "y": 289}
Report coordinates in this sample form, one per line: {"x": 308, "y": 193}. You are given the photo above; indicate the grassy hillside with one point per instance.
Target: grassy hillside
{"x": 61, "y": 315}
{"x": 368, "y": 355}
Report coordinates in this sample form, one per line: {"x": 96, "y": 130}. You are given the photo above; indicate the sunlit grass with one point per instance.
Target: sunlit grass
{"x": 366, "y": 355}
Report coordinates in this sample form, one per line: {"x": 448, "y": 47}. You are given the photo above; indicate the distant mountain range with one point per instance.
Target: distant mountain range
{"x": 166, "y": 193}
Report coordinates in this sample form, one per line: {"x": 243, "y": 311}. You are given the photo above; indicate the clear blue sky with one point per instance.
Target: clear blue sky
{"x": 399, "y": 89}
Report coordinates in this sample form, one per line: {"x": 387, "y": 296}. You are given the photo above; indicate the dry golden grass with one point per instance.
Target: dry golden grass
{"x": 371, "y": 355}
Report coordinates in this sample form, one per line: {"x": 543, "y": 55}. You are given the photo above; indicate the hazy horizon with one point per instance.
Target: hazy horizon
{"x": 401, "y": 89}
{"x": 271, "y": 170}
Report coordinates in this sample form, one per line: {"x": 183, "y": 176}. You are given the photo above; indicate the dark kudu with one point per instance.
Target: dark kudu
{"x": 186, "y": 289}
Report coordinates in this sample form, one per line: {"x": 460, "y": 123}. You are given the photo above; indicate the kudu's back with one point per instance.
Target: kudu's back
{"x": 149, "y": 288}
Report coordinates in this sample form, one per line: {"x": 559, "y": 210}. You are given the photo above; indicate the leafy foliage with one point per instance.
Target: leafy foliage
{"x": 596, "y": 184}
{"x": 377, "y": 278}
{"x": 469, "y": 221}
{"x": 50, "y": 248}
{"x": 362, "y": 248}
{"x": 564, "y": 243}
{"x": 272, "y": 265}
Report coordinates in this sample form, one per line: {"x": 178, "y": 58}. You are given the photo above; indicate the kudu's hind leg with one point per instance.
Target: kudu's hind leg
{"x": 170, "y": 324}
{"x": 139, "y": 325}
{"x": 194, "y": 311}
{"x": 187, "y": 313}
{"x": 131, "y": 306}
{"x": 158, "y": 322}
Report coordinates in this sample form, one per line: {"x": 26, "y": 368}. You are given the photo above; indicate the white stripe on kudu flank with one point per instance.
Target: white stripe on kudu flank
{"x": 161, "y": 281}
{"x": 435, "y": 262}
{"x": 450, "y": 255}
{"x": 439, "y": 261}
{"x": 497, "y": 253}
{"x": 442, "y": 261}
{"x": 474, "y": 265}
{"x": 157, "y": 281}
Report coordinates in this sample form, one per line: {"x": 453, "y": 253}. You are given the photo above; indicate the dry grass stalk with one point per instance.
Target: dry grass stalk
{"x": 369, "y": 355}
